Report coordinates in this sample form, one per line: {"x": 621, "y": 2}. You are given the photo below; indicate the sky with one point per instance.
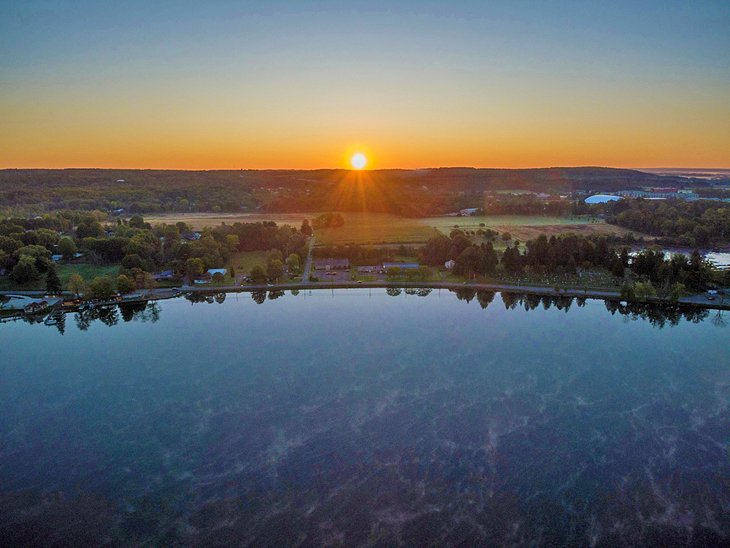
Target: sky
{"x": 249, "y": 85}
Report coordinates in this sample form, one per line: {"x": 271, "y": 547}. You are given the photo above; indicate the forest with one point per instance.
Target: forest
{"x": 410, "y": 193}
{"x": 645, "y": 274}
{"x": 27, "y": 247}
{"x": 701, "y": 223}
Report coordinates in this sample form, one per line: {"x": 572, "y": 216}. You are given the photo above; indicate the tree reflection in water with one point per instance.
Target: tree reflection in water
{"x": 658, "y": 315}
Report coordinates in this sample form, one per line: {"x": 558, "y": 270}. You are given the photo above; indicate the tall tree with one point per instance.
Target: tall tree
{"x": 53, "y": 282}
{"x": 76, "y": 285}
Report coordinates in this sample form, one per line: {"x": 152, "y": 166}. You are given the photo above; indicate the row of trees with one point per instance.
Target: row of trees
{"x": 667, "y": 276}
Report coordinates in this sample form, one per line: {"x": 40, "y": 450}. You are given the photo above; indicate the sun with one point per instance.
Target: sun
{"x": 358, "y": 161}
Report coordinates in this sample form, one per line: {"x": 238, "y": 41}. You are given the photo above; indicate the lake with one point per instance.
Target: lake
{"x": 367, "y": 417}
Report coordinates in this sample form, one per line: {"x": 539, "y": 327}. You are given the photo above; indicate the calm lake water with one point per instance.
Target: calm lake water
{"x": 355, "y": 417}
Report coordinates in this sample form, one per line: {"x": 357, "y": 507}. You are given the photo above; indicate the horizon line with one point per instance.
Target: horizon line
{"x": 585, "y": 166}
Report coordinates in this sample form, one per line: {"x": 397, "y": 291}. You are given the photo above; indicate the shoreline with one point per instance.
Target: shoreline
{"x": 700, "y": 301}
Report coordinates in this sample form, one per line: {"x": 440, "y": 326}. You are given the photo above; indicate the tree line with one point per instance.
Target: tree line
{"x": 644, "y": 274}
{"x": 700, "y": 223}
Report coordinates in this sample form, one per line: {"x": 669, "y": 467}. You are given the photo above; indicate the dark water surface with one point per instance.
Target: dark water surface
{"x": 356, "y": 417}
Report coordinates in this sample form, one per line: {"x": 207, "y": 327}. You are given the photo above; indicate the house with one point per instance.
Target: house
{"x": 450, "y": 264}
{"x": 58, "y": 257}
{"x": 190, "y": 235}
{"x": 207, "y": 276}
{"x": 164, "y": 275}
{"x": 35, "y": 307}
{"x": 468, "y": 211}
{"x": 331, "y": 264}
{"x": 402, "y": 266}
{"x": 25, "y": 303}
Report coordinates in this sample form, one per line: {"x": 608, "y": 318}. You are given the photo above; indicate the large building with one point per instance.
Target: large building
{"x": 601, "y": 199}
{"x": 331, "y": 264}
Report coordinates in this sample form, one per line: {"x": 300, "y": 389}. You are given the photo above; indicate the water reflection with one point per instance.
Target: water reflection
{"x": 658, "y": 315}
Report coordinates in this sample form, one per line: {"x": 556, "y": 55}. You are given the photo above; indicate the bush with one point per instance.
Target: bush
{"x": 644, "y": 290}
{"x": 125, "y": 284}
{"x": 101, "y": 287}
{"x": 258, "y": 275}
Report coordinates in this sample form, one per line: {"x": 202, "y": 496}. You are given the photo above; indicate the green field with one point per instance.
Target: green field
{"x": 198, "y": 221}
{"x": 375, "y": 228}
{"x": 244, "y": 261}
{"x": 473, "y": 223}
{"x": 524, "y": 227}
{"x": 87, "y": 271}
{"x": 384, "y": 228}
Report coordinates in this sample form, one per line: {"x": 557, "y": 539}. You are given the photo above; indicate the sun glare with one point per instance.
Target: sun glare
{"x": 358, "y": 161}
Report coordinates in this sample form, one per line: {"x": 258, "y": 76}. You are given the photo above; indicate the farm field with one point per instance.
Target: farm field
{"x": 375, "y": 228}
{"x": 525, "y": 227}
{"x": 384, "y": 228}
{"x": 359, "y": 228}
{"x": 446, "y": 223}
{"x": 198, "y": 221}
{"x": 529, "y": 232}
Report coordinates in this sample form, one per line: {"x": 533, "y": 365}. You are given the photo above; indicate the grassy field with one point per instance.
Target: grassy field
{"x": 375, "y": 228}
{"x": 244, "y": 261}
{"x": 523, "y": 227}
{"x": 445, "y": 224}
{"x": 198, "y": 221}
{"x": 87, "y": 271}
{"x": 384, "y": 228}
{"x": 360, "y": 228}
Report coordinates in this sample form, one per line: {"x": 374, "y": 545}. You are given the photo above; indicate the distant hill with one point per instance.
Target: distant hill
{"x": 408, "y": 192}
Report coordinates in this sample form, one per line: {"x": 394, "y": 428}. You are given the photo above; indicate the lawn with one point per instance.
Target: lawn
{"x": 244, "y": 261}
{"x": 87, "y": 271}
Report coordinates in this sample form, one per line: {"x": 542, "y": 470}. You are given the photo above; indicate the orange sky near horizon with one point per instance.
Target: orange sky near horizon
{"x": 411, "y": 84}
{"x": 222, "y": 133}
